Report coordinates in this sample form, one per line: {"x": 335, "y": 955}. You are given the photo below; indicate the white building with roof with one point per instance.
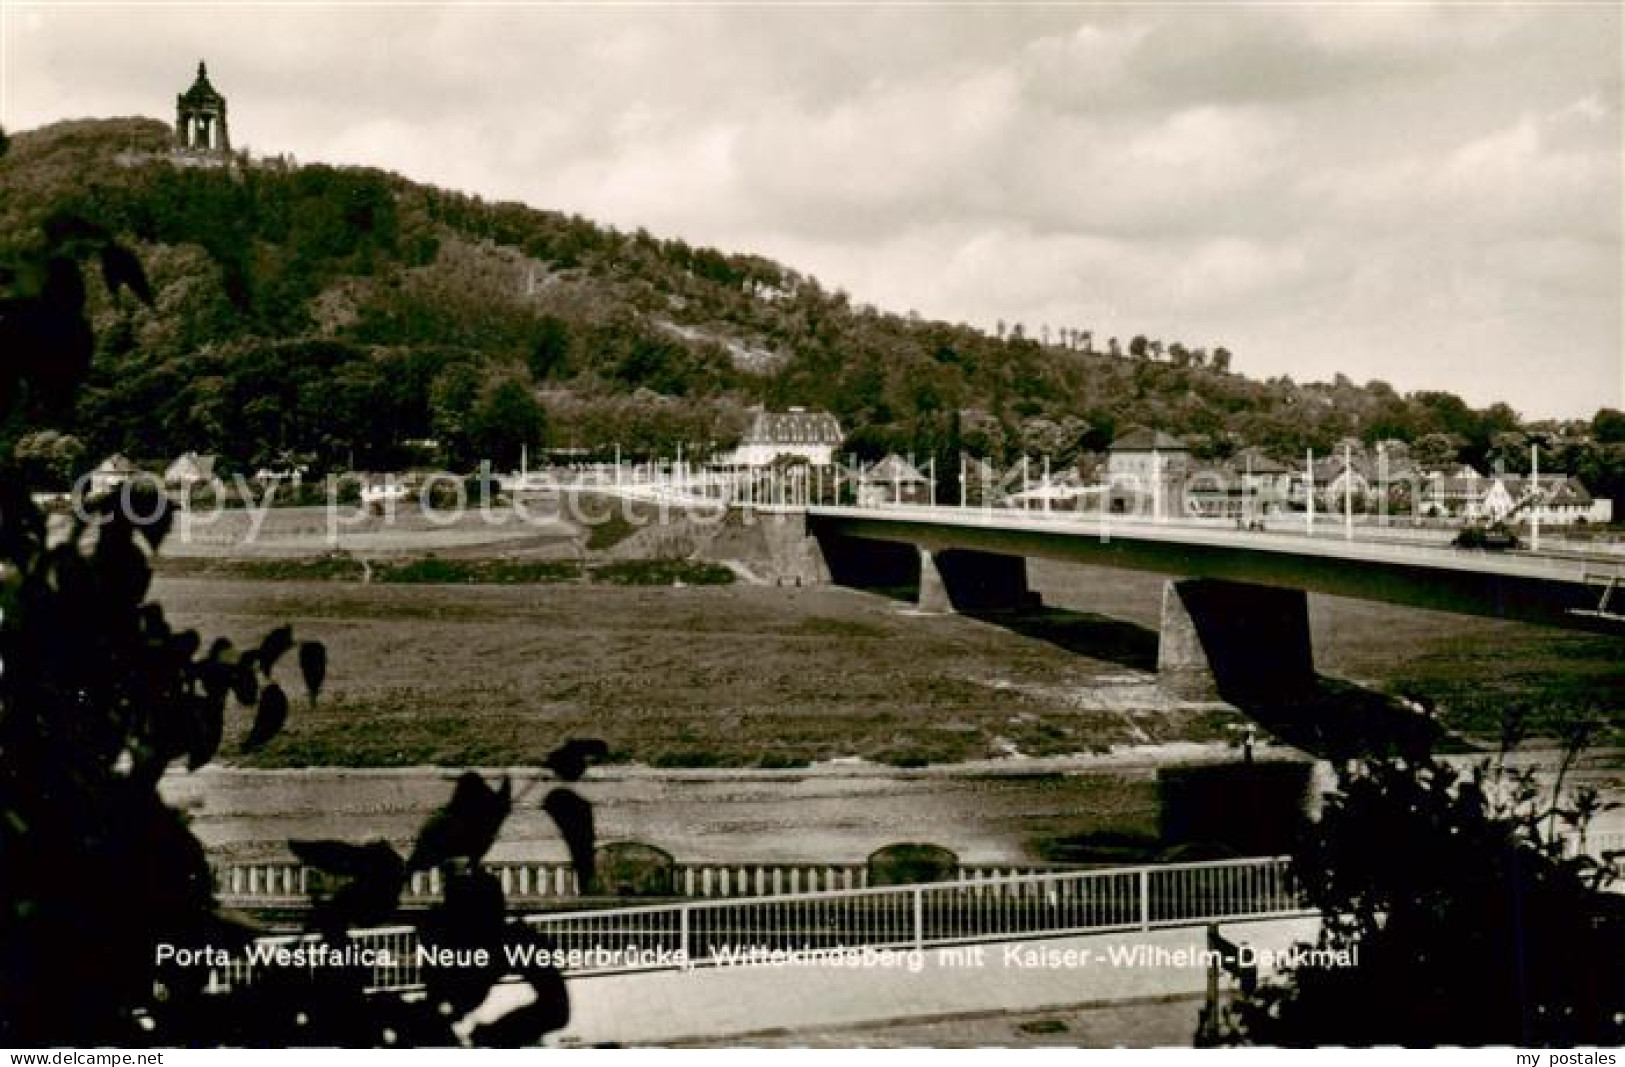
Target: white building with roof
{"x": 813, "y": 436}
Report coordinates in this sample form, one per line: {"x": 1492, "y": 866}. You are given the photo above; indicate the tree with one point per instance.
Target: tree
{"x": 1436, "y": 451}
{"x": 1608, "y": 426}
{"x": 1221, "y": 360}
{"x": 452, "y": 397}
{"x": 1137, "y": 346}
{"x": 49, "y": 460}
{"x": 1458, "y": 913}
{"x": 100, "y": 695}
{"x": 506, "y": 419}
{"x": 550, "y": 353}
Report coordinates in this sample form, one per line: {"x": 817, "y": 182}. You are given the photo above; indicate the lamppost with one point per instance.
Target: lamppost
{"x": 1309, "y": 483}
{"x": 1534, "y": 497}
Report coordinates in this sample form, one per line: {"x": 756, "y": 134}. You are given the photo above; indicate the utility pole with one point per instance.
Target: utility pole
{"x": 1534, "y": 498}
{"x": 962, "y": 496}
{"x": 1309, "y": 482}
{"x": 1046, "y": 483}
{"x": 1248, "y": 505}
{"x": 1382, "y": 486}
{"x": 1156, "y": 486}
{"x": 1348, "y": 492}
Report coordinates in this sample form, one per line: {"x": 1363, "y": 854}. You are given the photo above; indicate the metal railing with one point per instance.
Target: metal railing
{"x": 845, "y": 922}
{"x": 1566, "y": 567}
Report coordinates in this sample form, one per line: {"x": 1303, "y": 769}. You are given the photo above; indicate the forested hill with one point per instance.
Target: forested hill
{"x": 341, "y": 312}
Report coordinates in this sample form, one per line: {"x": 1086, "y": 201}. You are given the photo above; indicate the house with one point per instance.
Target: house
{"x": 1147, "y": 470}
{"x": 1215, "y": 492}
{"x": 384, "y": 491}
{"x": 1573, "y": 503}
{"x": 276, "y": 475}
{"x": 1266, "y": 482}
{"x": 1466, "y": 494}
{"x": 894, "y": 480}
{"x": 188, "y": 470}
{"x": 813, "y": 436}
{"x": 1338, "y": 484}
{"x": 1556, "y": 500}
{"x": 111, "y": 473}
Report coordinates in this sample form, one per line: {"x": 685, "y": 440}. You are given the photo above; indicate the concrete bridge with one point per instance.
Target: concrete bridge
{"x": 1235, "y": 614}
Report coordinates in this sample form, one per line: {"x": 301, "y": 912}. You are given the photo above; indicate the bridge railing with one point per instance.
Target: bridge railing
{"x": 1568, "y": 566}
{"x": 285, "y": 883}
{"x": 847, "y": 922}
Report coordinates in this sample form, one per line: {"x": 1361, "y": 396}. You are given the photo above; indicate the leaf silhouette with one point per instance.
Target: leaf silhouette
{"x": 208, "y": 722}
{"x": 471, "y": 916}
{"x": 466, "y": 826}
{"x": 245, "y": 683}
{"x": 313, "y": 665}
{"x": 122, "y": 270}
{"x": 269, "y": 719}
{"x": 277, "y": 642}
{"x": 573, "y": 817}
{"x": 370, "y": 879}
{"x": 527, "y": 1025}
{"x": 569, "y": 761}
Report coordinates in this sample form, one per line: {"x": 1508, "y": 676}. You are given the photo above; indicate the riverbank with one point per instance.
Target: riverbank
{"x": 990, "y": 811}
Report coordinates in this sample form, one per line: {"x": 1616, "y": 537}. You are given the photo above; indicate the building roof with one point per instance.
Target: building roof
{"x": 191, "y": 465}
{"x": 116, "y": 464}
{"x": 201, "y": 91}
{"x": 1143, "y": 440}
{"x": 1258, "y": 463}
{"x": 794, "y": 427}
{"x": 1555, "y": 489}
{"x": 1444, "y": 485}
{"x": 895, "y": 468}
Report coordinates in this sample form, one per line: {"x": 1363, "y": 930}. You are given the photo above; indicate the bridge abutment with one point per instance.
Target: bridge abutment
{"x": 977, "y": 583}
{"x": 1234, "y": 641}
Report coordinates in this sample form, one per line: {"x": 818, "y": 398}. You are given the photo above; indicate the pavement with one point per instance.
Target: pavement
{"x": 1165, "y": 1022}
{"x": 1135, "y": 989}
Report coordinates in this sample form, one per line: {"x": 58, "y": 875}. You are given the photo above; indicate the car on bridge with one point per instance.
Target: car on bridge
{"x": 1496, "y": 537}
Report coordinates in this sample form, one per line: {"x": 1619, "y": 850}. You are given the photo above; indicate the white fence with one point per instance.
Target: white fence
{"x": 703, "y": 932}
{"x": 287, "y": 884}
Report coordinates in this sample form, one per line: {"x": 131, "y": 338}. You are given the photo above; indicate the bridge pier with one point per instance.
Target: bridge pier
{"x": 1234, "y": 641}
{"x": 977, "y": 583}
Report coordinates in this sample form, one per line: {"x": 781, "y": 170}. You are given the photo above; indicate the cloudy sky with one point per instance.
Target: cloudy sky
{"x": 1429, "y": 195}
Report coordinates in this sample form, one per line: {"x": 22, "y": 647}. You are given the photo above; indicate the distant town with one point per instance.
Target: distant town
{"x": 796, "y": 456}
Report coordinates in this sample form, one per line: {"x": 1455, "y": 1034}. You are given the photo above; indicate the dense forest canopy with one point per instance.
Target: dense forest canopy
{"x": 348, "y": 316}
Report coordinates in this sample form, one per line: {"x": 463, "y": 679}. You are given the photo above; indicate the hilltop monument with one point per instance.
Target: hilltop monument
{"x": 200, "y": 118}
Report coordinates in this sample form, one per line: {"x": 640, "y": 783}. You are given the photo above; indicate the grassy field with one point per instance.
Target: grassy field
{"x": 493, "y": 674}
{"x": 1473, "y": 669}
{"x": 697, "y": 676}
{"x": 435, "y": 570}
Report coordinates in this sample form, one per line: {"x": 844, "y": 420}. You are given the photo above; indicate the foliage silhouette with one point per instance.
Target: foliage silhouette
{"x": 100, "y": 696}
{"x": 1464, "y": 918}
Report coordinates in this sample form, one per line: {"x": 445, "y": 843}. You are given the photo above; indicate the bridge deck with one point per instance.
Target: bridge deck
{"x": 1549, "y": 588}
